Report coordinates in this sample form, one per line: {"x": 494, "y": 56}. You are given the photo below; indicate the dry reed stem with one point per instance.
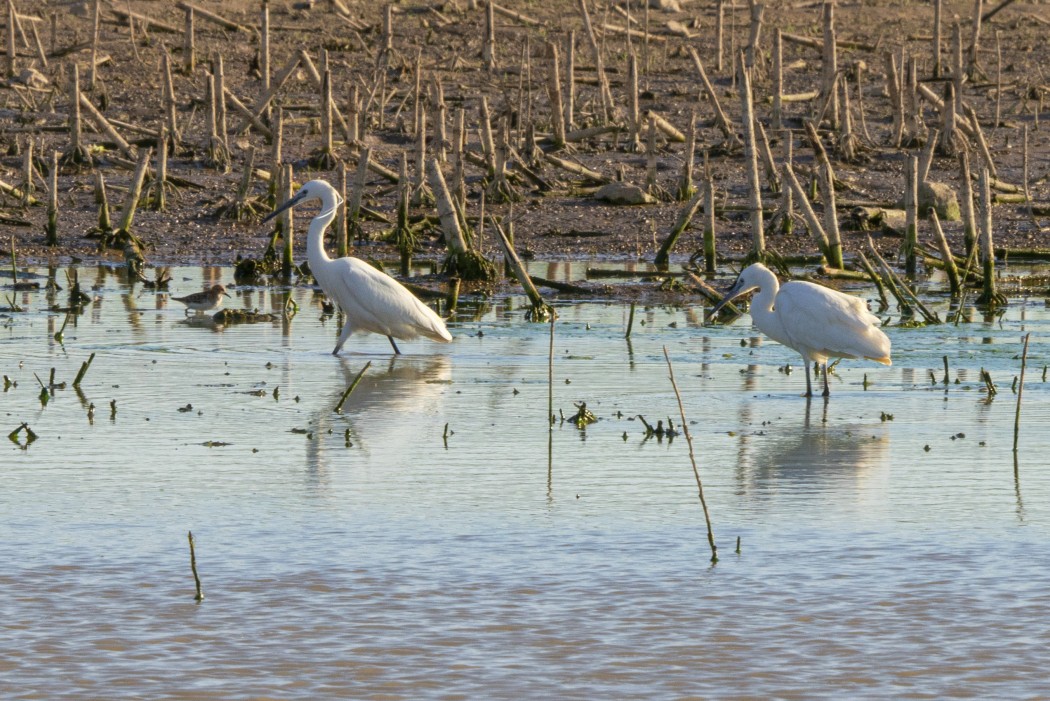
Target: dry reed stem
{"x": 692, "y": 460}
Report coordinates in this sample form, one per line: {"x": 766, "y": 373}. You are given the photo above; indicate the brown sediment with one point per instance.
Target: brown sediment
{"x": 380, "y": 56}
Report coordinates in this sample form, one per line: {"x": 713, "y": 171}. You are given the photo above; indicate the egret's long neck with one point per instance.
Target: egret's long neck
{"x": 315, "y": 236}
{"x": 762, "y": 303}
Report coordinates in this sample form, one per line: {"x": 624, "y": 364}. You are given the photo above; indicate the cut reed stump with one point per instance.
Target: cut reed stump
{"x": 462, "y": 261}
{"x": 685, "y": 216}
{"x": 540, "y": 311}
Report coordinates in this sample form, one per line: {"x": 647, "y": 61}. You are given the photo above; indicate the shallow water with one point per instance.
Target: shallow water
{"x": 457, "y": 549}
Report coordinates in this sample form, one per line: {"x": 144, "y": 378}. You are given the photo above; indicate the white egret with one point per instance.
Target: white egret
{"x": 203, "y": 301}
{"x": 370, "y": 299}
{"x": 816, "y": 321}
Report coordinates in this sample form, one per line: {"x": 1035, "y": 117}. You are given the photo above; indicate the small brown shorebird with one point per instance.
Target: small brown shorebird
{"x": 203, "y": 301}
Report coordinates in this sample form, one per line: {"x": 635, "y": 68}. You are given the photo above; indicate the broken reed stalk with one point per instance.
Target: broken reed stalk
{"x": 488, "y": 50}
{"x": 440, "y": 137}
{"x": 263, "y": 101}
{"x": 692, "y": 460}
{"x": 285, "y": 193}
{"x": 889, "y": 280}
{"x": 105, "y": 226}
{"x": 75, "y": 153}
{"x": 686, "y": 188}
{"x": 550, "y": 375}
{"x": 830, "y": 65}
{"x": 189, "y": 48}
{"x": 134, "y": 192}
{"x": 969, "y": 218}
{"x": 95, "y": 32}
{"x": 946, "y": 255}
{"x": 710, "y": 253}
{"x": 342, "y": 400}
{"x": 353, "y": 204}
{"x": 570, "y": 80}
{"x": 989, "y": 295}
{"x": 904, "y": 294}
{"x": 160, "y": 181}
{"x": 1020, "y": 390}
{"x": 812, "y": 221}
{"x": 555, "y": 96}
{"x": 488, "y": 145}
{"x": 450, "y": 227}
{"x": 340, "y": 219}
{"x": 630, "y": 321}
{"x": 83, "y": 370}
{"x": 541, "y": 311}
{"x": 777, "y": 117}
{"x": 911, "y": 208}
{"x": 220, "y": 101}
{"x": 758, "y": 235}
{"x": 51, "y": 229}
{"x": 893, "y": 88}
{"x": 199, "y": 596}
{"x": 634, "y": 119}
{"x": 608, "y": 109}
{"x": 106, "y": 126}
{"x": 685, "y": 216}
{"x": 975, "y": 37}
{"x": 875, "y": 278}
{"x": 721, "y": 120}
{"x": 264, "y": 45}
{"x": 831, "y": 219}
{"x": 787, "y": 194}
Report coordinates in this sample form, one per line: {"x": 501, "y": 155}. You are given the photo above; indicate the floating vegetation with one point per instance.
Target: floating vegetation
{"x": 243, "y": 316}
{"x": 15, "y": 436}
{"x": 583, "y": 416}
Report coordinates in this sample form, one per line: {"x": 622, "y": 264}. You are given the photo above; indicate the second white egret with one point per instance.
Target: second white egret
{"x": 370, "y": 299}
{"x": 816, "y": 321}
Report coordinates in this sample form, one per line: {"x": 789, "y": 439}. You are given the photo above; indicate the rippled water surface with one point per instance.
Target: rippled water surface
{"x": 434, "y": 540}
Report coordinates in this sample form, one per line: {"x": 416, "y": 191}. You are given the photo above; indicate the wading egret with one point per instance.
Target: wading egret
{"x": 370, "y": 299}
{"x": 816, "y": 321}
{"x": 203, "y": 301}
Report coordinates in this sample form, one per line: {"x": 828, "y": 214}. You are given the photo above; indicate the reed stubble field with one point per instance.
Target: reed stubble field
{"x": 534, "y": 113}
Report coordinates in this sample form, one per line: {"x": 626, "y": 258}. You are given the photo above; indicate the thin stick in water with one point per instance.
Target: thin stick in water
{"x": 692, "y": 459}
{"x": 342, "y": 400}
{"x": 550, "y": 379}
{"x": 199, "y": 596}
{"x": 1020, "y": 390}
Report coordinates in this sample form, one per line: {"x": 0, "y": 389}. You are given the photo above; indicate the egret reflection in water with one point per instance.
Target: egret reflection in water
{"x": 817, "y": 452}
{"x": 374, "y": 412}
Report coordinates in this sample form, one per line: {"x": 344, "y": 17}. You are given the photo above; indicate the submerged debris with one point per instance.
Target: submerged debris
{"x": 243, "y": 316}
{"x": 583, "y": 416}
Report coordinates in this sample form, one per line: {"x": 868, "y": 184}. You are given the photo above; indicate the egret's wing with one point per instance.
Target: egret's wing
{"x": 830, "y": 323}
{"x": 374, "y": 301}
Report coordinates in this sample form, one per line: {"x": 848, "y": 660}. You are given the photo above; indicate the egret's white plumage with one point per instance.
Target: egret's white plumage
{"x": 370, "y": 299}
{"x": 816, "y": 321}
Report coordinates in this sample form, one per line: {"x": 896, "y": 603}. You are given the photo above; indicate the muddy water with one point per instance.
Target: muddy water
{"x": 435, "y": 541}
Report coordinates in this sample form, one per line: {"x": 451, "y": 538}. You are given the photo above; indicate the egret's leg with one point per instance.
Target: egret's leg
{"x": 397, "y": 350}
{"x": 345, "y": 334}
{"x": 809, "y": 385}
{"x": 824, "y": 367}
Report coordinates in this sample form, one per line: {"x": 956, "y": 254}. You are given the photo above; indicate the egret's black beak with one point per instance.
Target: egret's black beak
{"x": 291, "y": 202}
{"x": 738, "y": 288}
